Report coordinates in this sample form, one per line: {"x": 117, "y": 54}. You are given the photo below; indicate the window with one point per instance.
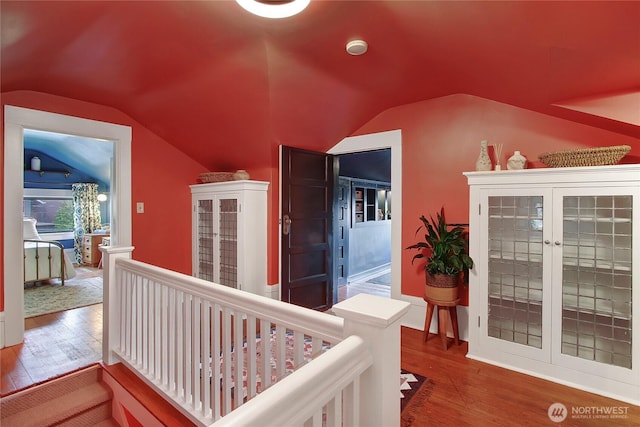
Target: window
{"x": 53, "y": 209}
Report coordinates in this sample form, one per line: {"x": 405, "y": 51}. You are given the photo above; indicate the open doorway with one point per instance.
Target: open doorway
{"x": 322, "y": 240}
{"x": 309, "y": 176}
{"x": 391, "y": 141}
{"x": 18, "y": 119}
{"x": 362, "y": 224}
{"x": 58, "y": 169}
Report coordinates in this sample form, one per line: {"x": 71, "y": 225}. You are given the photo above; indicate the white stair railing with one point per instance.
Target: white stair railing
{"x": 323, "y": 393}
{"x": 179, "y": 334}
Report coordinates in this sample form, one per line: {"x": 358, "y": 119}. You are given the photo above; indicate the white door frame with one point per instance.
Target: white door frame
{"x": 16, "y": 120}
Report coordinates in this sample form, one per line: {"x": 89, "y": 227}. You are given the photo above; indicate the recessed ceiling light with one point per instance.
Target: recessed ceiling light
{"x": 357, "y": 47}
{"x": 274, "y": 8}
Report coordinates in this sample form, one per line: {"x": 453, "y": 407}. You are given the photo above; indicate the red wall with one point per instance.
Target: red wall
{"x": 441, "y": 139}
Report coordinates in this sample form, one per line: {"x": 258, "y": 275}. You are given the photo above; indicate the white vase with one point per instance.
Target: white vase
{"x": 517, "y": 161}
{"x": 240, "y": 175}
{"x": 484, "y": 161}
{"x": 35, "y": 163}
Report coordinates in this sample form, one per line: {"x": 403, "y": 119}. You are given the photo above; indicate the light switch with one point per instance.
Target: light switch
{"x": 140, "y": 207}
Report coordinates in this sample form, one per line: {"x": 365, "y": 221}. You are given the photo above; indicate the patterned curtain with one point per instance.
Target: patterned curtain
{"x": 86, "y": 214}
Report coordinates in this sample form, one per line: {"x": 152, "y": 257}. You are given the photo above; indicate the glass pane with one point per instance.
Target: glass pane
{"x": 53, "y": 215}
{"x": 515, "y": 269}
{"x": 596, "y": 281}
{"x": 228, "y": 235}
{"x": 205, "y": 239}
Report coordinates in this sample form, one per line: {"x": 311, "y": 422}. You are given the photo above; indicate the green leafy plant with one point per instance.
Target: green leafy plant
{"x": 64, "y": 217}
{"x": 445, "y": 247}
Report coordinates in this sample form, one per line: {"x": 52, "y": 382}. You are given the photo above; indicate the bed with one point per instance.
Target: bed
{"x": 43, "y": 259}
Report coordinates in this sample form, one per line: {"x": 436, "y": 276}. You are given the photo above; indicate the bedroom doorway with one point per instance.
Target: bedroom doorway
{"x": 54, "y": 163}
{"x": 18, "y": 119}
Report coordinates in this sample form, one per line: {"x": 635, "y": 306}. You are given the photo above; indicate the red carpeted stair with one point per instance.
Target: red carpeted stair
{"x": 76, "y": 399}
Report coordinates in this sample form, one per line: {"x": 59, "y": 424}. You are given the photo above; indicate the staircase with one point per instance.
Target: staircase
{"x": 77, "y": 399}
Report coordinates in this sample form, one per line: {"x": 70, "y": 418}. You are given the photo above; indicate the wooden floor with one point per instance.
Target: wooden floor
{"x": 54, "y": 344}
{"x": 471, "y": 393}
{"x": 465, "y": 392}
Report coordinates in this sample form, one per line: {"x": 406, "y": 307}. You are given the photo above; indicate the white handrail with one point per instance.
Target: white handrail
{"x": 294, "y": 400}
{"x": 291, "y": 316}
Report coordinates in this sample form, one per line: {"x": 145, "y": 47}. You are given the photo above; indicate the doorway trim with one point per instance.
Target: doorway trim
{"x": 389, "y": 139}
{"x": 16, "y": 120}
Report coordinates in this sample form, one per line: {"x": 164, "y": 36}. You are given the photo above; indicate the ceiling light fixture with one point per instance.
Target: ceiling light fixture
{"x": 274, "y": 8}
{"x": 357, "y": 47}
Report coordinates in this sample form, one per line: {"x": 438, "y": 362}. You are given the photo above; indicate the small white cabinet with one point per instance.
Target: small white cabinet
{"x": 229, "y": 230}
{"x": 554, "y": 291}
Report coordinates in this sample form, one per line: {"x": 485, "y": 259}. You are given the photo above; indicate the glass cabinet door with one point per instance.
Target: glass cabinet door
{"x": 205, "y": 236}
{"x": 228, "y": 242}
{"x": 515, "y": 308}
{"x": 597, "y": 278}
{"x": 217, "y": 234}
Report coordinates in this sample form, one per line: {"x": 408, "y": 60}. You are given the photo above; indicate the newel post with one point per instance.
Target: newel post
{"x": 377, "y": 321}
{"x": 110, "y": 305}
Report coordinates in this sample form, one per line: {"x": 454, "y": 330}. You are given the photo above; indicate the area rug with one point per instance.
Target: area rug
{"x": 415, "y": 390}
{"x": 52, "y": 297}
{"x": 272, "y": 351}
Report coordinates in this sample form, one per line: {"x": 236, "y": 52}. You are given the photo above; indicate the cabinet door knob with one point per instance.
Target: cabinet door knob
{"x": 557, "y": 243}
{"x": 547, "y": 242}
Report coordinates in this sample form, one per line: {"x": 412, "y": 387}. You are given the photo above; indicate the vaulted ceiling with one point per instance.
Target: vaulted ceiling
{"x": 219, "y": 83}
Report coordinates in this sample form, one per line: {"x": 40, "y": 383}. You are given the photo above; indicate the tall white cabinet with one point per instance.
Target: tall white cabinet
{"x": 229, "y": 234}
{"x": 555, "y": 288}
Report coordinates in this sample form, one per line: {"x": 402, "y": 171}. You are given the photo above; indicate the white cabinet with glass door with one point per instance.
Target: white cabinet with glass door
{"x": 229, "y": 233}
{"x": 551, "y": 293}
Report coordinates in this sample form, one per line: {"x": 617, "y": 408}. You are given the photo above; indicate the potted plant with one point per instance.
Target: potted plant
{"x": 445, "y": 250}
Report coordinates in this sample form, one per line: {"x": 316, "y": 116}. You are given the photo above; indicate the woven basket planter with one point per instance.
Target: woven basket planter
{"x": 442, "y": 287}
{"x": 599, "y": 156}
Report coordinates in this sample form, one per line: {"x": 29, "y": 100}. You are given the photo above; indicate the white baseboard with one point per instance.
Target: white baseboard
{"x": 273, "y": 291}
{"x": 367, "y": 274}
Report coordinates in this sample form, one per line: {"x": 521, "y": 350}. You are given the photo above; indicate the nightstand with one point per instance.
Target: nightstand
{"x": 90, "y": 253}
